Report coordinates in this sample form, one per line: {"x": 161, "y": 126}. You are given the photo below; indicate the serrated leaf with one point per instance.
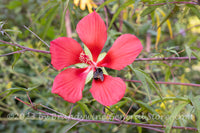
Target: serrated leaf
{"x": 196, "y": 103}
{"x": 173, "y": 116}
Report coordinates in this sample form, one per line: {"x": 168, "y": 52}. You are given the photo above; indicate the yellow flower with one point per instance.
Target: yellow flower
{"x": 83, "y": 3}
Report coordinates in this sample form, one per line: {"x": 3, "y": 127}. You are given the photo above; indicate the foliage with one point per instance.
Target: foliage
{"x": 173, "y": 30}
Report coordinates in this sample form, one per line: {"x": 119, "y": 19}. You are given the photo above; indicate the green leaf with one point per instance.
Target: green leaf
{"x": 84, "y": 106}
{"x": 103, "y": 4}
{"x": 146, "y": 106}
{"x": 16, "y": 58}
{"x": 188, "y": 51}
{"x": 170, "y": 14}
{"x": 196, "y": 103}
{"x": 118, "y": 12}
{"x": 145, "y": 78}
{"x": 116, "y": 107}
{"x": 167, "y": 74}
{"x": 196, "y": 55}
{"x": 148, "y": 10}
{"x": 173, "y": 116}
{"x": 171, "y": 49}
{"x": 194, "y": 10}
{"x": 52, "y": 13}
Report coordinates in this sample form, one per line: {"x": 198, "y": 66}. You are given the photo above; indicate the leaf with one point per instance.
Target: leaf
{"x": 84, "y": 106}
{"x": 103, "y": 4}
{"x": 52, "y": 13}
{"x": 171, "y": 49}
{"x": 146, "y": 106}
{"x": 167, "y": 74}
{"x": 173, "y": 116}
{"x": 196, "y": 55}
{"x": 117, "y": 106}
{"x": 44, "y": 10}
{"x": 168, "y": 23}
{"x": 170, "y": 14}
{"x": 145, "y": 78}
{"x": 118, "y": 12}
{"x": 158, "y": 31}
{"x": 196, "y": 103}
{"x": 148, "y": 10}
{"x": 194, "y": 10}
{"x": 16, "y": 58}
{"x": 188, "y": 51}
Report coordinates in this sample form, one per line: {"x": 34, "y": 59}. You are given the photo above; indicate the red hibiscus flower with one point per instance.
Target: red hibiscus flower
{"x": 65, "y": 52}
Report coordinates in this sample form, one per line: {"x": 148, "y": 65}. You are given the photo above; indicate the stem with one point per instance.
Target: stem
{"x": 26, "y": 48}
{"x": 165, "y": 58}
{"x": 178, "y": 2}
{"x": 107, "y": 122}
{"x": 20, "y": 51}
{"x": 36, "y": 36}
{"x": 170, "y": 83}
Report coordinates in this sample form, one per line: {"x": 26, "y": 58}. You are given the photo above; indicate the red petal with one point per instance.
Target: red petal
{"x": 123, "y": 52}
{"x": 108, "y": 92}
{"x": 69, "y": 84}
{"x": 92, "y": 31}
{"x": 64, "y": 52}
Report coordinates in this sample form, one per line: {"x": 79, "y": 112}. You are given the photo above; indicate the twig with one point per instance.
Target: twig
{"x": 108, "y": 122}
{"x": 138, "y": 59}
{"x": 72, "y": 126}
{"x": 177, "y": 2}
{"x": 169, "y": 83}
{"x": 37, "y": 36}
{"x": 165, "y": 58}
{"x": 20, "y": 51}
{"x": 26, "y": 48}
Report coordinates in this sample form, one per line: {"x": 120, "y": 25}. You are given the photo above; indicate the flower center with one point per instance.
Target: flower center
{"x": 85, "y": 59}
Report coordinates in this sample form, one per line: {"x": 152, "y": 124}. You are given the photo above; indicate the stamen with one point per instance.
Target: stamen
{"x": 85, "y": 59}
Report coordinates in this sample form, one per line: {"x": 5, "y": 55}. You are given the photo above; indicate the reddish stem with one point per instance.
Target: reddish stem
{"x": 177, "y": 2}
{"x": 107, "y": 122}
{"x": 170, "y": 83}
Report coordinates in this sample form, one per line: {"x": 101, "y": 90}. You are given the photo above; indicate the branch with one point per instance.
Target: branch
{"x": 26, "y": 48}
{"x": 170, "y": 83}
{"x": 177, "y": 2}
{"x": 106, "y": 122}
{"x": 138, "y": 59}
{"x": 165, "y": 58}
{"x": 20, "y": 51}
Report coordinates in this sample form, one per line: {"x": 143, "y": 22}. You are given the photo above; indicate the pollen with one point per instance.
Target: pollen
{"x": 85, "y": 58}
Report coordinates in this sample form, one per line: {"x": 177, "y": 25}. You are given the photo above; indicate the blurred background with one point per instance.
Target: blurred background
{"x": 166, "y": 28}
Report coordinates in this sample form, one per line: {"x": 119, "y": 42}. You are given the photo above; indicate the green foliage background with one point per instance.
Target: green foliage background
{"x": 32, "y": 72}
